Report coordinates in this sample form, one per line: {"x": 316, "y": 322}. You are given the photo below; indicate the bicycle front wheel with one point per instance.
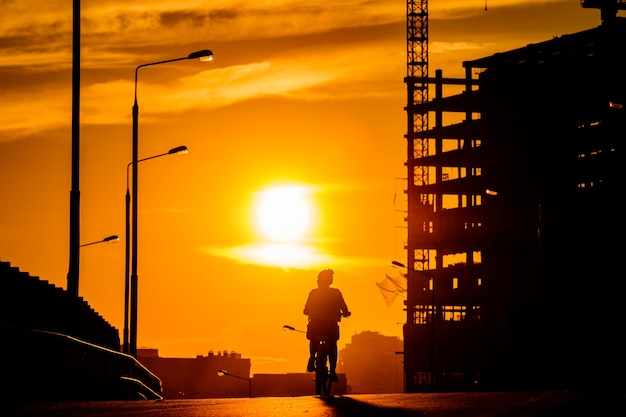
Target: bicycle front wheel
{"x": 321, "y": 382}
{"x": 326, "y": 386}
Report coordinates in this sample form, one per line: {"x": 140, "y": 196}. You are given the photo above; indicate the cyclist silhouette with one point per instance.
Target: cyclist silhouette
{"x": 325, "y": 306}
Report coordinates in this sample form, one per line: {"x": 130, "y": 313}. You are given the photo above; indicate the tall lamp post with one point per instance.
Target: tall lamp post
{"x": 179, "y": 150}
{"x": 204, "y": 55}
{"x": 72, "y": 273}
{"x": 432, "y": 324}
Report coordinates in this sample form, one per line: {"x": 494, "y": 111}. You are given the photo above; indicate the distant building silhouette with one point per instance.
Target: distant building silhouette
{"x": 515, "y": 220}
{"x": 198, "y": 377}
{"x": 372, "y": 363}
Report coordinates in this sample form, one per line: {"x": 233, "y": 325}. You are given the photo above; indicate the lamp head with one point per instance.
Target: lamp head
{"x": 179, "y": 150}
{"x": 204, "y": 55}
{"x": 114, "y": 238}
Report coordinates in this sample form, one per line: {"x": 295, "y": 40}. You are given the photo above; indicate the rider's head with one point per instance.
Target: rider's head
{"x": 325, "y": 278}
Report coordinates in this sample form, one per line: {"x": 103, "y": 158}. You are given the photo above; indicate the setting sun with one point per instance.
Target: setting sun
{"x": 284, "y": 213}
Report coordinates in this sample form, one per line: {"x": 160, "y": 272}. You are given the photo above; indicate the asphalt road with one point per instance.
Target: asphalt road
{"x": 492, "y": 404}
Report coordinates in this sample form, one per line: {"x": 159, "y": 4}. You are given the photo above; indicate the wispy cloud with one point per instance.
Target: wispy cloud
{"x": 447, "y": 47}
{"x": 286, "y": 256}
{"x": 51, "y": 109}
{"x": 289, "y": 256}
{"x": 133, "y": 24}
{"x": 214, "y": 87}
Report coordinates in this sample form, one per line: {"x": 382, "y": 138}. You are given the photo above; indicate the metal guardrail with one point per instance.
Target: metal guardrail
{"x": 48, "y": 366}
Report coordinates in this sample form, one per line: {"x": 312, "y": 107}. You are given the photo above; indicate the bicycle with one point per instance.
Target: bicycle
{"x": 323, "y": 381}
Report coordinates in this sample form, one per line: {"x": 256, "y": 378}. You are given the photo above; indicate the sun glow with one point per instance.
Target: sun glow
{"x": 285, "y": 255}
{"x": 284, "y": 213}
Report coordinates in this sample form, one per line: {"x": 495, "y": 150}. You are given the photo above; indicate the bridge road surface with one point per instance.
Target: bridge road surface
{"x": 491, "y": 404}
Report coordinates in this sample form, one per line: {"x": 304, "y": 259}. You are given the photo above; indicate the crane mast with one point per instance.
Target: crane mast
{"x": 419, "y": 203}
{"x": 417, "y": 147}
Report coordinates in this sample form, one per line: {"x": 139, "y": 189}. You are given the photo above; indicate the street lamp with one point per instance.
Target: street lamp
{"x": 432, "y": 323}
{"x": 293, "y": 329}
{"x": 204, "y": 55}
{"x": 223, "y": 372}
{"x": 112, "y": 239}
{"x": 179, "y": 150}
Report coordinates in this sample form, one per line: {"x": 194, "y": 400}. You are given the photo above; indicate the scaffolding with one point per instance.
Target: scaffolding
{"x": 498, "y": 181}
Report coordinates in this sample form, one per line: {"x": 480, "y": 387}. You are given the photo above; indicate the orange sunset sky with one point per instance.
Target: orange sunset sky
{"x": 303, "y": 105}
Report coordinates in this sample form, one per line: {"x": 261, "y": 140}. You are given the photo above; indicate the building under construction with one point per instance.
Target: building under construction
{"x": 514, "y": 213}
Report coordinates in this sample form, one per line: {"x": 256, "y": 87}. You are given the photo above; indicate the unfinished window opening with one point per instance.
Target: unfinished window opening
{"x": 424, "y": 258}
{"x": 477, "y": 257}
{"x": 454, "y": 259}
{"x": 454, "y": 313}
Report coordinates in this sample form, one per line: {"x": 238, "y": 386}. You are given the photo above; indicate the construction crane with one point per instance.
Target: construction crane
{"x": 419, "y": 204}
{"x": 608, "y": 8}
